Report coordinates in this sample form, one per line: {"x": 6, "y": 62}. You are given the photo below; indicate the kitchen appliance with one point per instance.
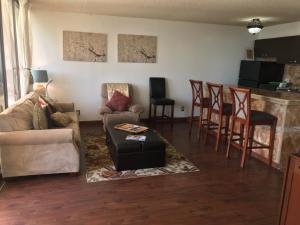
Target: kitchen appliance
{"x": 259, "y": 74}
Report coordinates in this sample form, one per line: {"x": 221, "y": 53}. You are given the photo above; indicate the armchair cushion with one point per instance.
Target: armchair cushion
{"x": 118, "y": 102}
{"x": 105, "y": 110}
{"x": 120, "y": 87}
{"x": 136, "y": 108}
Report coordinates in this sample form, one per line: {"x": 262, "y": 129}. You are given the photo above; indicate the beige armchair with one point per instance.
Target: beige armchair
{"x": 132, "y": 114}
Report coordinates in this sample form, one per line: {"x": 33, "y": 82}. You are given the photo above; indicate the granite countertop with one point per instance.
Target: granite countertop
{"x": 280, "y": 97}
{"x": 283, "y": 97}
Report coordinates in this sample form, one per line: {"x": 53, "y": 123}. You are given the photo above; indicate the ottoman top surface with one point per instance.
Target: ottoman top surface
{"x": 153, "y": 141}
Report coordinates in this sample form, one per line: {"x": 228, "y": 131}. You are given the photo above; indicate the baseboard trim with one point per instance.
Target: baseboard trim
{"x": 266, "y": 161}
{"x": 176, "y": 119}
{"x": 144, "y": 120}
{"x": 91, "y": 122}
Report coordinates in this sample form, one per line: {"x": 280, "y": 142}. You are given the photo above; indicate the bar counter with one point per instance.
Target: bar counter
{"x": 286, "y": 107}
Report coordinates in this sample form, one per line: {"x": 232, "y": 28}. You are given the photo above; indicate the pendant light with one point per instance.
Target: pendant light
{"x": 255, "y": 26}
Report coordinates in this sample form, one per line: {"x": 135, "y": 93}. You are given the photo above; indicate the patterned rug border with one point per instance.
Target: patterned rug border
{"x": 98, "y": 154}
{"x": 140, "y": 176}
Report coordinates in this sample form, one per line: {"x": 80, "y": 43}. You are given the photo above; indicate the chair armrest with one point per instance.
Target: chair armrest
{"x": 36, "y": 137}
{"x": 136, "y": 108}
{"x": 67, "y": 107}
{"x": 105, "y": 110}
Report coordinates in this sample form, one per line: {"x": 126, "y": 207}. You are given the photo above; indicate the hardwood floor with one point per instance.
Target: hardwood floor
{"x": 221, "y": 193}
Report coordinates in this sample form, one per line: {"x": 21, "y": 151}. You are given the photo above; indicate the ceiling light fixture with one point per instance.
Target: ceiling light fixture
{"x": 255, "y": 26}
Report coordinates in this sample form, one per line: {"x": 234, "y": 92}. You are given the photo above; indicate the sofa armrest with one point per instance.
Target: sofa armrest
{"x": 136, "y": 108}
{"x": 66, "y": 107}
{"x": 36, "y": 137}
{"x": 105, "y": 110}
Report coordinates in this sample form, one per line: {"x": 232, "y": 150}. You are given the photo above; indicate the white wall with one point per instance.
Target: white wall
{"x": 185, "y": 50}
{"x": 281, "y": 30}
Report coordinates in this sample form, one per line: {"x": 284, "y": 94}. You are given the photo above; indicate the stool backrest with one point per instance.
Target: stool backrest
{"x": 157, "y": 87}
{"x": 241, "y": 103}
{"x": 197, "y": 91}
{"x": 215, "y": 92}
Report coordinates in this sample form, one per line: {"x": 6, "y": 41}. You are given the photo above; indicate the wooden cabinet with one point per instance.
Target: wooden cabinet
{"x": 290, "y": 208}
{"x": 284, "y": 49}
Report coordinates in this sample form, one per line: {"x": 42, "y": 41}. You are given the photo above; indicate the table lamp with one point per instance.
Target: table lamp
{"x": 41, "y": 81}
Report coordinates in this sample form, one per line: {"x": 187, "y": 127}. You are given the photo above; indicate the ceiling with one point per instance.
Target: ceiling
{"x": 230, "y": 12}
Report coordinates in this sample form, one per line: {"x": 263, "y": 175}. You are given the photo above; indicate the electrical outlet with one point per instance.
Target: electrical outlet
{"x": 78, "y": 112}
{"x": 182, "y": 108}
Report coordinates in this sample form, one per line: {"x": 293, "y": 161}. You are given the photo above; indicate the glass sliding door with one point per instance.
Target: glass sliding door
{"x": 3, "y": 88}
{"x": 9, "y": 8}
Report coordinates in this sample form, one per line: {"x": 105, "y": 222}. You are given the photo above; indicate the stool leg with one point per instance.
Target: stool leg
{"x": 150, "y": 108}
{"x": 244, "y": 148}
{"x": 200, "y": 123}
{"x": 242, "y": 128}
{"x": 172, "y": 115}
{"x": 208, "y": 124}
{"x": 226, "y": 128}
{"x": 191, "y": 119}
{"x": 219, "y": 133}
{"x": 230, "y": 138}
{"x": 163, "y": 112}
{"x": 154, "y": 116}
{"x": 252, "y": 130}
{"x": 272, "y": 140}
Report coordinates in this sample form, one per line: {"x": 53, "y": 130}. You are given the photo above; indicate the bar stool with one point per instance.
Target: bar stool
{"x": 158, "y": 98}
{"x": 198, "y": 101}
{"x": 248, "y": 119}
{"x": 216, "y": 106}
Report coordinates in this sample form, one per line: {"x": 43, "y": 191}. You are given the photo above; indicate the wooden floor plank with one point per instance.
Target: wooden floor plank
{"x": 221, "y": 193}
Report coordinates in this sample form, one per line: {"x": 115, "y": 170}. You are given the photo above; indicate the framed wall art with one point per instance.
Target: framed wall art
{"x": 137, "y": 48}
{"x": 83, "y": 46}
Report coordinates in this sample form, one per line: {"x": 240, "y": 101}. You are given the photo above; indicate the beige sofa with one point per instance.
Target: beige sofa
{"x": 24, "y": 151}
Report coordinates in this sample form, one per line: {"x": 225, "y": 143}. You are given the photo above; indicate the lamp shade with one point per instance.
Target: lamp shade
{"x": 39, "y": 76}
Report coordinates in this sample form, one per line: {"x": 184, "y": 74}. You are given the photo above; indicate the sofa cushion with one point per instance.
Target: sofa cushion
{"x": 60, "y": 119}
{"x": 48, "y": 111}
{"x": 33, "y": 96}
{"x": 9, "y": 123}
{"x": 40, "y": 121}
{"x": 18, "y": 117}
{"x": 52, "y": 103}
{"x": 20, "y": 103}
{"x": 73, "y": 116}
{"x": 118, "y": 102}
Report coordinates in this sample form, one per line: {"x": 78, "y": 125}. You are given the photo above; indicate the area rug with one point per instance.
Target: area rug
{"x": 100, "y": 167}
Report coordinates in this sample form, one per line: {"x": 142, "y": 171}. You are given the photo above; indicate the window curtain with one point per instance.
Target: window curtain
{"x": 9, "y": 51}
{"x": 24, "y": 47}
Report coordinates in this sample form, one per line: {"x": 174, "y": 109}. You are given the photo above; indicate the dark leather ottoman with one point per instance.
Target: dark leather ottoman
{"x": 130, "y": 155}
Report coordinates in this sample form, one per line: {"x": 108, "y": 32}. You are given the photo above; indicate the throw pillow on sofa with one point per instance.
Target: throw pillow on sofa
{"x": 60, "y": 119}
{"x": 48, "y": 111}
{"x": 52, "y": 104}
{"x": 40, "y": 121}
{"x": 118, "y": 102}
